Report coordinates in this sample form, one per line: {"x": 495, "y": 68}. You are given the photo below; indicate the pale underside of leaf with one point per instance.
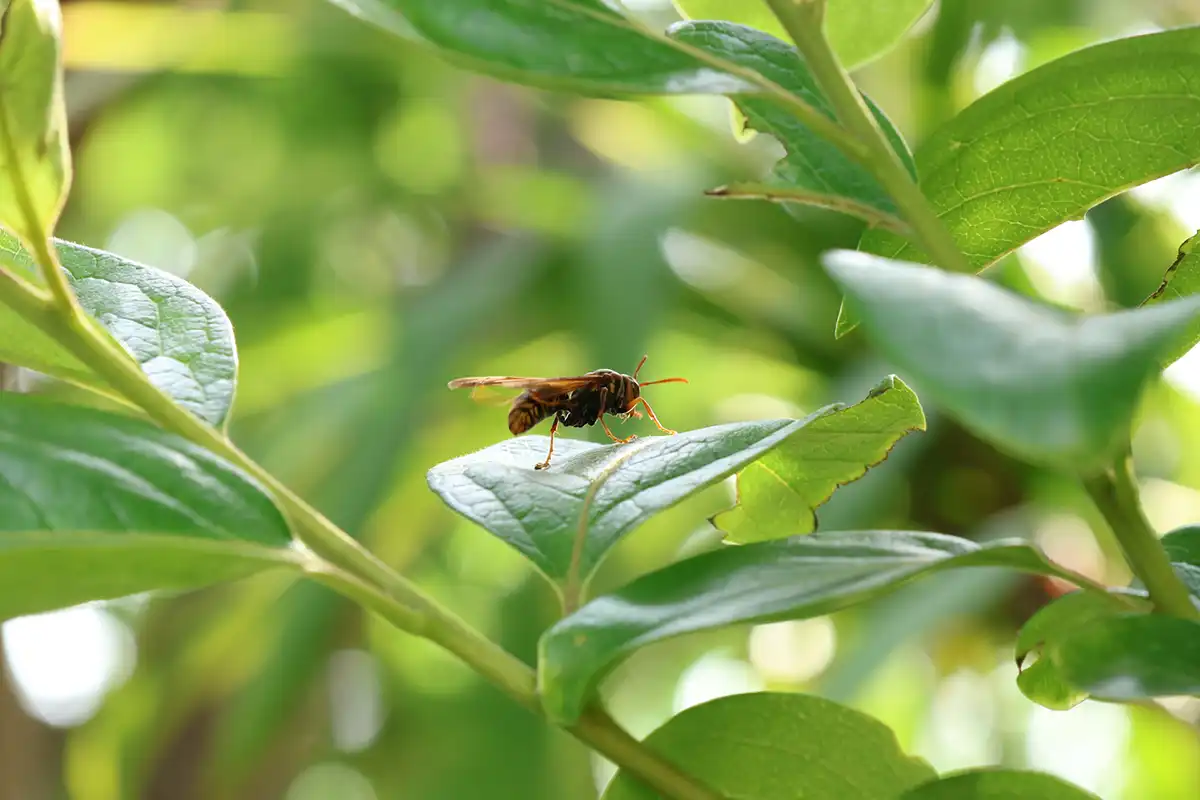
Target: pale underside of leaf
{"x": 608, "y": 489}
{"x": 1047, "y": 386}
{"x": 180, "y": 336}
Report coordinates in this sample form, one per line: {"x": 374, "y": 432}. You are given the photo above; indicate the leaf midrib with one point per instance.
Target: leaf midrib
{"x": 91, "y": 463}
{"x": 285, "y": 554}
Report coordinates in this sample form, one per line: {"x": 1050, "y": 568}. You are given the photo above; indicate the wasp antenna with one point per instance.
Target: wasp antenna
{"x": 639, "y": 366}
{"x": 664, "y": 380}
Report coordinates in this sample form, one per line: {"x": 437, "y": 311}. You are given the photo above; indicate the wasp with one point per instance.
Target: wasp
{"x": 573, "y": 401}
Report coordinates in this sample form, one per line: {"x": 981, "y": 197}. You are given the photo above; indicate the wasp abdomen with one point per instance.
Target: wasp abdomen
{"x": 525, "y": 413}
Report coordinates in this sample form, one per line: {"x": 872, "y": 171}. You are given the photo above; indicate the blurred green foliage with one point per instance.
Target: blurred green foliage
{"x": 377, "y": 222}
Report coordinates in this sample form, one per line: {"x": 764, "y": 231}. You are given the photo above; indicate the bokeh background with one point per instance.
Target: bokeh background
{"x": 377, "y": 222}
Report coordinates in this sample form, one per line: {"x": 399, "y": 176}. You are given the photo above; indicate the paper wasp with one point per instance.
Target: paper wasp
{"x": 572, "y": 401}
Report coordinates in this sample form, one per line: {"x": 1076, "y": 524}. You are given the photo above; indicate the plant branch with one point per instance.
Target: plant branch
{"x": 499, "y": 666}
{"x": 341, "y": 562}
{"x": 1114, "y": 492}
{"x": 603, "y": 733}
{"x": 802, "y": 19}
{"x": 595, "y": 727}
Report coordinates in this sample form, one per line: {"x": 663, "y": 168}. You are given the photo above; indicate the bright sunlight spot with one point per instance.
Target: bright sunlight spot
{"x": 960, "y": 721}
{"x": 1000, "y": 61}
{"x": 715, "y": 675}
{"x": 355, "y": 700}
{"x": 1085, "y": 745}
{"x": 152, "y": 236}
{"x": 323, "y": 781}
{"x": 1169, "y": 505}
{"x": 1068, "y": 540}
{"x": 64, "y": 662}
{"x": 701, "y": 262}
{"x": 1184, "y": 374}
{"x": 1178, "y": 193}
{"x": 1062, "y": 265}
{"x": 794, "y": 650}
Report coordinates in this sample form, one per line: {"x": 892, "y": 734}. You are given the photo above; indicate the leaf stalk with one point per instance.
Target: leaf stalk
{"x": 803, "y": 19}
{"x": 1114, "y": 491}
{"x": 36, "y": 230}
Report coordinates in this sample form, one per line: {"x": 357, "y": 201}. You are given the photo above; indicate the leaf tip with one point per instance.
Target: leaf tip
{"x": 884, "y": 386}
{"x": 845, "y": 322}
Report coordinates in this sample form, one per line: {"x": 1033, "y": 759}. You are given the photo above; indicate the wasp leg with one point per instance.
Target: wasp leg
{"x": 553, "y": 429}
{"x": 603, "y": 424}
{"x": 653, "y": 418}
{"x": 614, "y": 437}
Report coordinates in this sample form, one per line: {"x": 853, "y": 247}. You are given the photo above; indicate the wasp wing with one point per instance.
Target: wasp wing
{"x": 490, "y": 389}
{"x": 496, "y": 380}
{"x": 539, "y": 386}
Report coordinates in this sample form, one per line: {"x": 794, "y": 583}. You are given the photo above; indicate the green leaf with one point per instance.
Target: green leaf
{"x": 588, "y": 47}
{"x": 796, "y": 578}
{"x": 814, "y": 171}
{"x": 179, "y": 335}
{"x": 1183, "y": 544}
{"x": 1182, "y": 279}
{"x": 35, "y": 162}
{"x": 1183, "y": 548}
{"x": 858, "y": 30}
{"x": 1042, "y": 384}
{"x": 1042, "y": 682}
{"x": 1131, "y": 657}
{"x": 781, "y": 746}
{"x": 608, "y": 490}
{"x": 779, "y": 493}
{"x": 580, "y": 45}
{"x": 1048, "y": 145}
{"x": 95, "y": 506}
{"x": 994, "y": 783}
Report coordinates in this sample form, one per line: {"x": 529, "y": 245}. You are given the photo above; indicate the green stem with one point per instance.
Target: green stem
{"x": 599, "y": 730}
{"x": 1114, "y": 492}
{"x": 90, "y": 343}
{"x": 822, "y": 125}
{"x": 499, "y": 666}
{"x": 595, "y": 727}
{"x": 36, "y": 231}
{"x": 792, "y": 194}
{"x": 351, "y": 569}
{"x": 802, "y": 19}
